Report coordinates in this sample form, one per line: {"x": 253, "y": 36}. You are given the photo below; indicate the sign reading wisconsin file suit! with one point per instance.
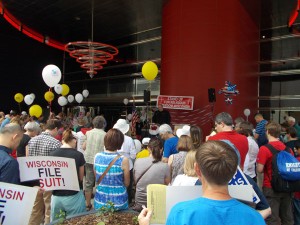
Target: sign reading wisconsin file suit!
{"x": 54, "y": 173}
{"x": 16, "y": 203}
{"x": 176, "y": 102}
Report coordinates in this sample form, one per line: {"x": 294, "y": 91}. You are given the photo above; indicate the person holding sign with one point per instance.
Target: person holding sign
{"x": 70, "y": 202}
{"x": 42, "y": 145}
{"x": 112, "y": 173}
{"x": 216, "y": 163}
{"x": 149, "y": 170}
{"x": 10, "y": 137}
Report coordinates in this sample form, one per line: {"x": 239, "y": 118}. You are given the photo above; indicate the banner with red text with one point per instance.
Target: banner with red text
{"x": 176, "y": 102}
{"x": 16, "y": 203}
{"x": 54, "y": 173}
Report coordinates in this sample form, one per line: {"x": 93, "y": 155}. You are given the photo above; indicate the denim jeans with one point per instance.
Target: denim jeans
{"x": 296, "y": 204}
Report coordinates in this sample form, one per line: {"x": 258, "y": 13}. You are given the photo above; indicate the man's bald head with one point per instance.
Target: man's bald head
{"x": 11, "y": 135}
{"x": 11, "y": 128}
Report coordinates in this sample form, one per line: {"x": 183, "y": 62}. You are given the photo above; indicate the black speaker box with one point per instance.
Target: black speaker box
{"x": 211, "y": 95}
{"x": 146, "y": 96}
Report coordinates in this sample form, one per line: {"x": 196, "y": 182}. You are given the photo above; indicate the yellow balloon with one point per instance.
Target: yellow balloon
{"x": 149, "y": 70}
{"x": 19, "y": 97}
{"x": 65, "y": 89}
{"x": 36, "y": 111}
{"x": 49, "y": 96}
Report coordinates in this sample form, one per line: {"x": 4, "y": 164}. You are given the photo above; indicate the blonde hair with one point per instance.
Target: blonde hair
{"x": 185, "y": 143}
{"x": 188, "y": 166}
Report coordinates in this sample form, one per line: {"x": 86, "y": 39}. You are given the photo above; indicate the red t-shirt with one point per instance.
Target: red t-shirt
{"x": 297, "y": 194}
{"x": 264, "y": 157}
{"x": 240, "y": 142}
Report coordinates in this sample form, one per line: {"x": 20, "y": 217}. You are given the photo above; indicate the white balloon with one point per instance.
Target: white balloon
{"x": 70, "y": 98}
{"x": 58, "y": 89}
{"x": 78, "y": 98}
{"x": 33, "y": 96}
{"x": 246, "y": 112}
{"x": 125, "y": 101}
{"x": 51, "y": 75}
{"x": 62, "y": 101}
{"x": 85, "y": 93}
{"x": 129, "y": 117}
{"x": 28, "y": 99}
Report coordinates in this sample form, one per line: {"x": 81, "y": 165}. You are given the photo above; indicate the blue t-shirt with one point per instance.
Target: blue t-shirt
{"x": 206, "y": 211}
{"x": 170, "y": 146}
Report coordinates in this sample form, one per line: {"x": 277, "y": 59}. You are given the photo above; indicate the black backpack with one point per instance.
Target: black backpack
{"x": 278, "y": 183}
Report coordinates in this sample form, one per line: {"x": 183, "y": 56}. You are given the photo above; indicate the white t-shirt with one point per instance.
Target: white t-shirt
{"x": 128, "y": 150}
{"x": 81, "y": 138}
{"x": 184, "y": 180}
{"x": 250, "y": 160}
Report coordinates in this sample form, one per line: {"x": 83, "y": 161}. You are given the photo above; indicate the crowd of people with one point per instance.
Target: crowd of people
{"x": 117, "y": 167}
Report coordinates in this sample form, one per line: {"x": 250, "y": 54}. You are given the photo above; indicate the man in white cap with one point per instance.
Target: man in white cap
{"x": 166, "y": 133}
{"x": 128, "y": 150}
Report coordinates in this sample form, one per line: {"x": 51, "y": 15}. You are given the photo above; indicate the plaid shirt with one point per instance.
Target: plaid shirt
{"x": 42, "y": 144}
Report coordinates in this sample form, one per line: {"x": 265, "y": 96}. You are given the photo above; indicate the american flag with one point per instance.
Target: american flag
{"x": 134, "y": 120}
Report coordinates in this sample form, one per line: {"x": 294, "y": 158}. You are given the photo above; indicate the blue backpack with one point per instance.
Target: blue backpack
{"x": 285, "y": 170}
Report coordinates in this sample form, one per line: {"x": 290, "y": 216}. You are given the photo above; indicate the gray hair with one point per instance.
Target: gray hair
{"x": 225, "y": 118}
{"x": 32, "y": 126}
{"x": 11, "y": 128}
{"x": 165, "y": 128}
{"x": 99, "y": 122}
{"x": 291, "y": 119}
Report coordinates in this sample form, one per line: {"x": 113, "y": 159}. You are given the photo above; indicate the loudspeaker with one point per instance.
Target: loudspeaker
{"x": 211, "y": 95}
{"x": 146, "y": 96}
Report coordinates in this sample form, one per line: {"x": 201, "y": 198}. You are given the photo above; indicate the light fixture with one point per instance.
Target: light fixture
{"x": 91, "y": 55}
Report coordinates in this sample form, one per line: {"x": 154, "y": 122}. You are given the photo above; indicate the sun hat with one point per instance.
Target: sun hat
{"x": 24, "y": 113}
{"x": 146, "y": 141}
{"x": 185, "y": 130}
{"x": 122, "y": 126}
{"x": 153, "y": 129}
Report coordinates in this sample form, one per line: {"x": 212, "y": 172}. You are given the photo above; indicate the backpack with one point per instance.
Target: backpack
{"x": 285, "y": 170}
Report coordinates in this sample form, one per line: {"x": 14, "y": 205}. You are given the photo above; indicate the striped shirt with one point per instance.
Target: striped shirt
{"x": 261, "y": 127}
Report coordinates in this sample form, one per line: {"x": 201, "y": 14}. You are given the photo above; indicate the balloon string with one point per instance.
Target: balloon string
{"x": 50, "y": 101}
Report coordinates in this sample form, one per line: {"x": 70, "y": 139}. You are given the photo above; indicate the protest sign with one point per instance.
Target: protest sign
{"x": 239, "y": 178}
{"x": 54, "y": 173}
{"x": 16, "y": 203}
{"x": 161, "y": 198}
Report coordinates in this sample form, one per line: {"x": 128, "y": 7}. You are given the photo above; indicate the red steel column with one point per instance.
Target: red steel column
{"x": 204, "y": 44}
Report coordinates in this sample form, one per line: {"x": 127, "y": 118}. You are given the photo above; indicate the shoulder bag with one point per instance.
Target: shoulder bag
{"x": 107, "y": 169}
